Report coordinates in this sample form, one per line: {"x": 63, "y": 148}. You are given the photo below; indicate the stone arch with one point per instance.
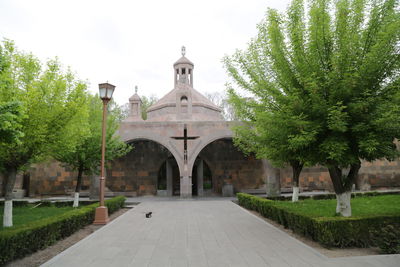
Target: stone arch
{"x": 227, "y": 134}
{"x": 150, "y": 136}
{"x": 146, "y": 168}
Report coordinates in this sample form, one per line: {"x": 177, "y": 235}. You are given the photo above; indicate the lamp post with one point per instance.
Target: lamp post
{"x": 106, "y": 91}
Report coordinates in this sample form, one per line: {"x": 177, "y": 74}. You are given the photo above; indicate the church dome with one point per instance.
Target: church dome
{"x": 183, "y": 60}
{"x": 135, "y": 97}
{"x": 184, "y": 102}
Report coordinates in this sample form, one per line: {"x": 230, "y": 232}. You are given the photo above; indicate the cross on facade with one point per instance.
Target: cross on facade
{"x": 185, "y": 138}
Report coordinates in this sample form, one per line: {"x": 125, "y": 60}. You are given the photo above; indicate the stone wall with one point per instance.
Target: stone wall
{"x": 229, "y": 165}
{"x": 51, "y": 178}
{"x": 137, "y": 172}
{"x": 379, "y": 174}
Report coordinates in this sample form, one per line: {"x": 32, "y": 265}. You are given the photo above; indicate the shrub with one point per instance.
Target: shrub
{"x": 18, "y": 242}
{"x": 388, "y": 239}
{"x": 330, "y": 232}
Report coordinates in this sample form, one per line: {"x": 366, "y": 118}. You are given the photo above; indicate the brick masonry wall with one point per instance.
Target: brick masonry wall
{"x": 228, "y": 164}
{"x": 51, "y": 178}
{"x": 137, "y": 172}
{"x": 379, "y": 174}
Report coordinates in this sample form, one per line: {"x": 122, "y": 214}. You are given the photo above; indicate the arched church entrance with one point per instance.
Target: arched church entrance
{"x": 138, "y": 172}
{"x": 228, "y": 169}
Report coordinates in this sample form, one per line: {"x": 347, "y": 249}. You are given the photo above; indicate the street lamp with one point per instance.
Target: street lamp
{"x": 106, "y": 91}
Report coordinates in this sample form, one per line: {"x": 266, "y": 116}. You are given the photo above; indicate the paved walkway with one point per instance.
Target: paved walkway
{"x": 198, "y": 233}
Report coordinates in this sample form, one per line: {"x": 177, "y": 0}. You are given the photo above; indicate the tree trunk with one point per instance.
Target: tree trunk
{"x": 296, "y": 167}
{"x": 343, "y": 204}
{"x": 78, "y": 188}
{"x": 342, "y": 186}
{"x": 9, "y": 178}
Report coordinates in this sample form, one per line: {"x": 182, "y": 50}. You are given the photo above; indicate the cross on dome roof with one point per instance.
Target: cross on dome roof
{"x": 183, "y": 50}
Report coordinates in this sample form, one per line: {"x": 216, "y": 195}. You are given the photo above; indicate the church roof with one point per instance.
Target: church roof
{"x": 135, "y": 97}
{"x": 170, "y": 100}
{"x": 183, "y": 60}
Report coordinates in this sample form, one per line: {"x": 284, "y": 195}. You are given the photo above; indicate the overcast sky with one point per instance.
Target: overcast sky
{"x": 132, "y": 43}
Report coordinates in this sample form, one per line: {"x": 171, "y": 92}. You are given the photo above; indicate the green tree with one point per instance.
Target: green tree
{"x": 146, "y": 103}
{"x": 342, "y": 64}
{"x": 49, "y": 118}
{"x": 10, "y": 122}
{"x": 222, "y": 100}
{"x": 276, "y": 134}
{"x": 86, "y": 156}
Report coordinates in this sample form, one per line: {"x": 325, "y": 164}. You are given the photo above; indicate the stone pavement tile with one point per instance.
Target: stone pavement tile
{"x": 368, "y": 261}
{"x": 68, "y": 262}
{"x": 158, "y": 263}
{"x": 103, "y": 263}
{"x": 253, "y": 258}
{"x": 197, "y": 260}
{"x": 161, "y": 253}
{"x": 178, "y": 263}
{"x": 274, "y": 261}
{"x": 145, "y": 252}
{"x": 138, "y": 263}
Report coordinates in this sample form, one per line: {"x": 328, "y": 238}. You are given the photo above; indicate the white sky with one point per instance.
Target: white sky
{"x": 135, "y": 42}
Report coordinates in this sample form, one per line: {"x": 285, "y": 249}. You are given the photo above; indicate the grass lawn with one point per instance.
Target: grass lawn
{"x": 360, "y": 206}
{"x": 24, "y": 215}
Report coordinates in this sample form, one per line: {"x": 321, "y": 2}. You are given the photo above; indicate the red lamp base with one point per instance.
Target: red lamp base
{"x": 101, "y": 216}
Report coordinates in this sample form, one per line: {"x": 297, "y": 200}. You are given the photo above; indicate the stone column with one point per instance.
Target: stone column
{"x": 169, "y": 178}
{"x": 273, "y": 179}
{"x": 186, "y": 184}
{"x": 200, "y": 178}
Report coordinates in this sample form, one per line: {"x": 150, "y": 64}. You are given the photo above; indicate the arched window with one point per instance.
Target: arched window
{"x": 184, "y": 100}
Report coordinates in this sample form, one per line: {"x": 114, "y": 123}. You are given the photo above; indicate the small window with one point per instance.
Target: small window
{"x": 177, "y": 71}
{"x": 184, "y": 100}
{"x": 190, "y": 71}
{"x": 183, "y": 71}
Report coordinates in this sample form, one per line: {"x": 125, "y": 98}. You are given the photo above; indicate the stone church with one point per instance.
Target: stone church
{"x": 185, "y": 149}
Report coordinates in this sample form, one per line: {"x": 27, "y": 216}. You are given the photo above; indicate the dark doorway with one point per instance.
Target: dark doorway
{"x": 194, "y": 181}
{"x": 162, "y": 176}
{"x": 176, "y": 180}
{"x": 26, "y": 183}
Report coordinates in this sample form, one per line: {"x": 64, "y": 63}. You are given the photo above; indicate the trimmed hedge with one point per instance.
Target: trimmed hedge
{"x": 330, "y": 232}
{"x": 333, "y": 196}
{"x": 24, "y": 240}
{"x": 388, "y": 239}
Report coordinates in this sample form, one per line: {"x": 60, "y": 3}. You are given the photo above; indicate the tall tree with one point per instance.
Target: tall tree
{"x": 222, "y": 101}
{"x": 85, "y": 157}
{"x": 146, "y": 103}
{"x": 276, "y": 134}
{"x": 51, "y": 113}
{"x": 342, "y": 64}
{"x": 10, "y": 121}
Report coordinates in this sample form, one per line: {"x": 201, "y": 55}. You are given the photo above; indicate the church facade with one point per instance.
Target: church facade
{"x": 183, "y": 148}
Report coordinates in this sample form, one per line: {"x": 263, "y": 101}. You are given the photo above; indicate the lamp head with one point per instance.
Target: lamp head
{"x": 106, "y": 91}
